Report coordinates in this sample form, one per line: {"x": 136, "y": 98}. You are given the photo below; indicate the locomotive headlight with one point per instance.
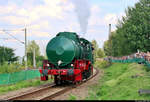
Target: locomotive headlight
{"x": 59, "y": 62}
{"x": 48, "y": 65}
{"x": 71, "y": 65}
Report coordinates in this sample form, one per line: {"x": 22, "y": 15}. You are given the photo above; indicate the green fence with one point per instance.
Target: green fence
{"x": 11, "y": 78}
{"x": 136, "y": 60}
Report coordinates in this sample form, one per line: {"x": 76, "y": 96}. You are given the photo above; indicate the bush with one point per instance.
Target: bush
{"x": 9, "y": 68}
{"x": 101, "y": 64}
{"x": 39, "y": 64}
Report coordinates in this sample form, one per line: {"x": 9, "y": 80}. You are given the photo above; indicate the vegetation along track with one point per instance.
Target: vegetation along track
{"x": 50, "y": 91}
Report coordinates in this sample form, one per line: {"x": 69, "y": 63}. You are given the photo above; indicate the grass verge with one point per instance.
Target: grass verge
{"x": 23, "y": 84}
{"x": 72, "y": 97}
{"x": 121, "y": 81}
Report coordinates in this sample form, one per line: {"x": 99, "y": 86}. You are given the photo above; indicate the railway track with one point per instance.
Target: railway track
{"x": 49, "y": 92}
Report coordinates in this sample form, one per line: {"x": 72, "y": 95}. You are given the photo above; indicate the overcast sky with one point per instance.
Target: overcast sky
{"x": 45, "y": 18}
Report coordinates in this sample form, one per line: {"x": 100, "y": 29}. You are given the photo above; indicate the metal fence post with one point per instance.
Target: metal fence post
{"x": 8, "y": 78}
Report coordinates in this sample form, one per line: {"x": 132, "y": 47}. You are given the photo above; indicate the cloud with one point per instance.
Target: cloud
{"x": 50, "y": 8}
{"x": 95, "y": 9}
{"x": 95, "y": 18}
{"x": 113, "y": 18}
{"x": 37, "y": 18}
{"x": 110, "y": 19}
{"x": 104, "y": 20}
{"x": 38, "y": 33}
{"x": 73, "y": 27}
{"x": 11, "y": 8}
{"x": 126, "y": 2}
{"x": 45, "y": 19}
{"x": 40, "y": 26}
{"x": 98, "y": 18}
{"x": 14, "y": 20}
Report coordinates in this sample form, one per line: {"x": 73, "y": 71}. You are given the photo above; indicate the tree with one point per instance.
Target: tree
{"x": 95, "y": 45}
{"x": 7, "y": 54}
{"x": 39, "y": 60}
{"x": 100, "y": 53}
{"x": 133, "y": 31}
{"x": 108, "y": 46}
{"x": 137, "y": 26}
{"x": 30, "y": 48}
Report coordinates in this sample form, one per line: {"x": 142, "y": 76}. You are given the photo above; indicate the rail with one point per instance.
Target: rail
{"x": 49, "y": 92}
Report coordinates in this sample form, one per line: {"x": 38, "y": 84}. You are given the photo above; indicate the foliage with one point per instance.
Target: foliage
{"x": 133, "y": 31}
{"x": 118, "y": 83}
{"x": 9, "y": 68}
{"x": 7, "y": 54}
{"x": 72, "y": 97}
{"x": 39, "y": 58}
{"x": 100, "y": 53}
{"x": 108, "y": 47}
{"x": 39, "y": 64}
{"x": 101, "y": 64}
{"x": 31, "y": 46}
{"x": 95, "y": 46}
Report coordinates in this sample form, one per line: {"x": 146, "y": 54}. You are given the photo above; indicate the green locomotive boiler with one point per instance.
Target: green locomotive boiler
{"x": 70, "y": 58}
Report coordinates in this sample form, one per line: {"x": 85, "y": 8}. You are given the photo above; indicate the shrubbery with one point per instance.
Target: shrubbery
{"x": 132, "y": 31}
{"x": 9, "y": 68}
{"x": 101, "y": 64}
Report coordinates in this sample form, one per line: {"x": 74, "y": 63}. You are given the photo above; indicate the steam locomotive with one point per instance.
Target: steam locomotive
{"x": 70, "y": 58}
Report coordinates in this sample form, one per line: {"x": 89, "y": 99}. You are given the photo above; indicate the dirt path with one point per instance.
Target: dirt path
{"x": 80, "y": 92}
{"x": 20, "y": 91}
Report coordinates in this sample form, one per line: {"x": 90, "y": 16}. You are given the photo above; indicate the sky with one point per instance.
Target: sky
{"x": 45, "y": 18}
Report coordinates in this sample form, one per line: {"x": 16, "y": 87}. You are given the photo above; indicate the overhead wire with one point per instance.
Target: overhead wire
{"x": 13, "y": 36}
{"x": 4, "y": 38}
{"x": 22, "y": 29}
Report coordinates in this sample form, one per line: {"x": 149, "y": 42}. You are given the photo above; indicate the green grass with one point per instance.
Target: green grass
{"x": 72, "y": 97}
{"x": 118, "y": 84}
{"x": 22, "y": 84}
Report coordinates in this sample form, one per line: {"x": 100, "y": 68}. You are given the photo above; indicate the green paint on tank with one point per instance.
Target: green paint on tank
{"x": 61, "y": 50}
{"x": 66, "y": 47}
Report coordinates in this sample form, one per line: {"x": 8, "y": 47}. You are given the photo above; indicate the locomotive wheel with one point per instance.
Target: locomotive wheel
{"x": 83, "y": 75}
{"x": 46, "y": 77}
{"x": 57, "y": 80}
{"x": 88, "y": 72}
